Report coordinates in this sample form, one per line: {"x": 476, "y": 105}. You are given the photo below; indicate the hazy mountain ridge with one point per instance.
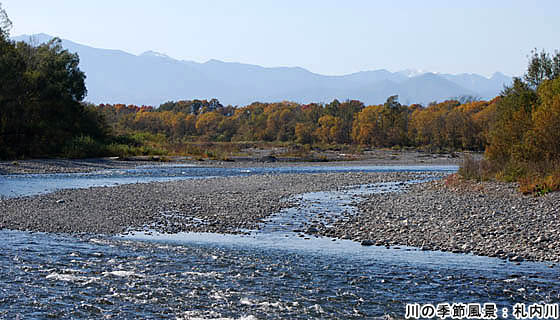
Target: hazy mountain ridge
{"x": 151, "y": 78}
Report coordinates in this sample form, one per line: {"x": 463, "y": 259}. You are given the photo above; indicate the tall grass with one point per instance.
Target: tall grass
{"x": 537, "y": 178}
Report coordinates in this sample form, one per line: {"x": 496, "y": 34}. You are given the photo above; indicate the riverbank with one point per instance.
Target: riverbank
{"x": 489, "y": 219}
{"x": 256, "y": 159}
{"x": 48, "y": 166}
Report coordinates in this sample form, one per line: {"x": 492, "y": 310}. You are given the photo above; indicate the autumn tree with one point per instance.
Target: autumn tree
{"x": 477, "y": 118}
{"x": 368, "y": 128}
{"x": 281, "y": 121}
{"x": 307, "y": 119}
{"x": 330, "y": 130}
{"x": 438, "y": 126}
{"x": 207, "y": 124}
{"x": 513, "y": 120}
{"x": 303, "y": 133}
{"x": 543, "y": 140}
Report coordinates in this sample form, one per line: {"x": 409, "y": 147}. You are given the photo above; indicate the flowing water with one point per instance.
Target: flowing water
{"x": 31, "y": 184}
{"x": 271, "y": 273}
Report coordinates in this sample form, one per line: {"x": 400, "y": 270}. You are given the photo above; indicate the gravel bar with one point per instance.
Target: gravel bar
{"x": 50, "y": 166}
{"x": 222, "y": 205}
{"x": 489, "y": 219}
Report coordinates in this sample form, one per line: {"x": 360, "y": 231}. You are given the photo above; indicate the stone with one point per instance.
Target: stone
{"x": 367, "y": 243}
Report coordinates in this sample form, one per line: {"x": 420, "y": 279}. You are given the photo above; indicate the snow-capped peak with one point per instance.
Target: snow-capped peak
{"x": 151, "y": 53}
{"x": 412, "y": 72}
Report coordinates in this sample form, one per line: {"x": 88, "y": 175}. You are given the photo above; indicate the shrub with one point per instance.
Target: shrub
{"x": 120, "y": 150}
{"x": 473, "y": 169}
{"x": 83, "y": 147}
{"x": 513, "y": 171}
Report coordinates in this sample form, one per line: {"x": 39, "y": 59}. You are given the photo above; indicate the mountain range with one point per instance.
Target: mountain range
{"x": 151, "y": 78}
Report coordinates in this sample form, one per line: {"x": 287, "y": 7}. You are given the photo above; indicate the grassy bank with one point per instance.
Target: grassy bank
{"x": 536, "y": 178}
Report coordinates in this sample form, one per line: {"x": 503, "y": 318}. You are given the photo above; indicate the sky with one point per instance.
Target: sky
{"x": 330, "y": 37}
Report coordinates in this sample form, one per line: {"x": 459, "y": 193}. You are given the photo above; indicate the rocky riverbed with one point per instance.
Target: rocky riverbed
{"x": 223, "y": 205}
{"x": 40, "y": 166}
{"x": 490, "y": 219}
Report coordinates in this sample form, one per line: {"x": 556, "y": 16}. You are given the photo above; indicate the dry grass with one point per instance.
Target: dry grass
{"x": 456, "y": 182}
{"x": 537, "y": 178}
{"x": 540, "y": 185}
{"x": 478, "y": 170}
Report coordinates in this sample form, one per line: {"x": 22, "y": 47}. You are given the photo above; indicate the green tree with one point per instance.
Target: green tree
{"x": 5, "y": 23}
{"x": 542, "y": 66}
{"x": 395, "y": 122}
{"x": 55, "y": 86}
{"x": 41, "y": 89}
{"x": 12, "y": 93}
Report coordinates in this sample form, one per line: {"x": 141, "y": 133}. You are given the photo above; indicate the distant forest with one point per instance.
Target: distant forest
{"x": 449, "y": 125}
{"x": 42, "y": 115}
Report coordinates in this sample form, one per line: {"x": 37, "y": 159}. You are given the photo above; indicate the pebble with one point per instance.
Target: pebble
{"x": 461, "y": 219}
{"x": 489, "y": 218}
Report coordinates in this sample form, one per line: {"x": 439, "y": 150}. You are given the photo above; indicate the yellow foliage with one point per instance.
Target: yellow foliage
{"x": 207, "y": 123}
{"x": 545, "y": 135}
{"x": 367, "y": 127}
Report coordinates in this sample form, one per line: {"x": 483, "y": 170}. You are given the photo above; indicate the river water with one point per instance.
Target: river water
{"x": 271, "y": 273}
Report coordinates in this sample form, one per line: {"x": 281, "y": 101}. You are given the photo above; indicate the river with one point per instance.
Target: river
{"x": 270, "y": 273}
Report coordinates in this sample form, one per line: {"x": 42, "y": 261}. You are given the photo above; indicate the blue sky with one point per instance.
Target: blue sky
{"x": 324, "y": 36}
